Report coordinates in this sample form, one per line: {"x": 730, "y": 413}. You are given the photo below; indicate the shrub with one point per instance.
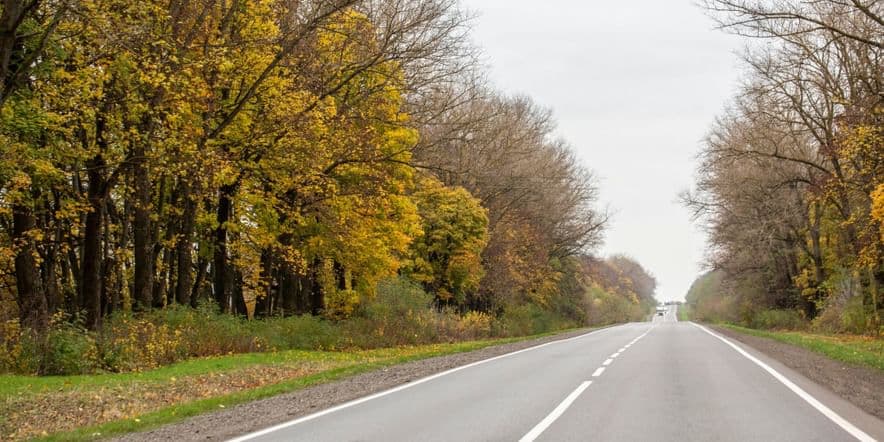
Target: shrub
{"x": 854, "y": 318}
{"x": 603, "y": 308}
{"x": 844, "y": 314}
{"x": 474, "y": 325}
{"x": 65, "y": 348}
{"x": 716, "y": 308}
{"x": 396, "y": 297}
{"x": 778, "y": 320}
{"x": 128, "y": 343}
{"x": 212, "y": 333}
{"x": 400, "y": 313}
{"x": 301, "y": 332}
{"x": 12, "y": 348}
{"x": 68, "y": 348}
{"x": 528, "y": 319}
{"x": 340, "y": 304}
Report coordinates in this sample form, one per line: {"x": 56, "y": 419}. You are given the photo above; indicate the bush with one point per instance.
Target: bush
{"x": 301, "y": 332}
{"x": 716, "y": 309}
{"x": 844, "y": 310}
{"x": 854, "y": 318}
{"x": 65, "y": 348}
{"x": 605, "y": 308}
{"x": 11, "y": 348}
{"x": 340, "y": 304}
{"x": 210, "y": 333}
{"x": 400, "y": 313}
{"x": 68, "y": 348}
{"x": 397, "y": 297}
{"x": 528, "y": 319}
{"x": 474, "y": 325}
{"x": 127, "y": 343}
{"x": 778, "y": 320}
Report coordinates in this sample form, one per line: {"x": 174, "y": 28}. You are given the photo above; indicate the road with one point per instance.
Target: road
{"x": 659, "y": 380}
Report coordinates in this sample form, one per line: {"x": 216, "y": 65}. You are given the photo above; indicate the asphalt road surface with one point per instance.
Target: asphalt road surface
{"x": 662, "y": 380}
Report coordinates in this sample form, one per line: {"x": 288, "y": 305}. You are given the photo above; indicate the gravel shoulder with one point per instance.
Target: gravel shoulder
{"x": 252, "y": 416}
{"x": 862, "y": 386}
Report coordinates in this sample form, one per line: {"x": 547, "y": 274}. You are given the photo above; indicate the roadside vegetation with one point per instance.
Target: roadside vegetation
{"x": 790, "y": 184}
{"x": 684, "y": 312}
{"x": 841, "y": 340}
{"x": 858, "y": 350}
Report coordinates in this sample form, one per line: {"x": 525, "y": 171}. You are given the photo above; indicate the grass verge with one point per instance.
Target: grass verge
{"x": 63, "y": 408}
{"x": 859, "y": 350}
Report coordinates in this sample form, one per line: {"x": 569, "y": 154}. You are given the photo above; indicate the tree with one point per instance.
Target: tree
{"x": 447, "y": 255}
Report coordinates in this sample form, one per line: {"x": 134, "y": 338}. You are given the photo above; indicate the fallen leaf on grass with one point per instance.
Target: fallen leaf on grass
{"x": 49, "y": 412}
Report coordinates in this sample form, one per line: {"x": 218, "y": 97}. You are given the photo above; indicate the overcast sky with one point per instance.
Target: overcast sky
{"x": 634, "y": 86}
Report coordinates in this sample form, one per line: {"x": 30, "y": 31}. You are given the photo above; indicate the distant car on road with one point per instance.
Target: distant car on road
{"x": 661, "y": 311}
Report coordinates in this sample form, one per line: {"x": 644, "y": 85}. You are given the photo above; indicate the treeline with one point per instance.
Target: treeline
{"x": 276, "y": 158}
{"x": 791, "y": 179}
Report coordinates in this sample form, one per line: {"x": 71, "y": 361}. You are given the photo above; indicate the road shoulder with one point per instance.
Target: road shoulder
{"x": 861, "y": 386}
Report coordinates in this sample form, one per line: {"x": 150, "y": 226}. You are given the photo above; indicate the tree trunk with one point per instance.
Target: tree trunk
{"x": 143, "y": 282}
{"x": 31, "y": 300}
{"x": 185, "y": 247}
{"x": 817, "y": 258}
{"x": 219, "y": 263}
{"x": 264, "y": 304}
{"x": 202, "y": 266}
{"x": 118, "y": 291}
{"x": 317, "y": 298}
{"x": 288, "y": 291}
{"x": 50, "y": 265}
{"x": 108, "y": 261}
{"x": 74, "y": 293}
{"x": 239, "y": 301}
{"x": 873, "y": 292}
{"x": 90, "y": 289}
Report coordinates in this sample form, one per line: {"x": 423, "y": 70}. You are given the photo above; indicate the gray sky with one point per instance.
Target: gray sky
{"x": 634, "y": 86}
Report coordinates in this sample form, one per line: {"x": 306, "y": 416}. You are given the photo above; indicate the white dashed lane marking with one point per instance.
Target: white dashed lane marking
{"x": 553, "y": 415}
{"x": 563, "y": 406}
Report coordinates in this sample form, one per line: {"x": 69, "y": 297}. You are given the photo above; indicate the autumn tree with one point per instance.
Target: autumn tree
{"x": 447, "y": 255}
{"x": 540, "y": 200}
{"x": 787, "y": 176}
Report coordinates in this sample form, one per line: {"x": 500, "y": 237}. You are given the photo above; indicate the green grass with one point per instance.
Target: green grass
{"x": 684, "y": 313}
{"x": 858, "y": 350}
{"x": 344, "y": 363}
{"x": 15, "y": 384}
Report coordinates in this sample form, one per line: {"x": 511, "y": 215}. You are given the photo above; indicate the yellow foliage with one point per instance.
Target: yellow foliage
{"x": 474, "y": 325}
{"x": 340, "y": 304}
{"x": 135, "y": 344}
{"x": 878, "y": 209}
{"x": 10, "y": 346}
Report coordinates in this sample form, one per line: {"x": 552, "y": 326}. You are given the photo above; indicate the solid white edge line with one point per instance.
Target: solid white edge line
{"x": 354, "y": 402}
{"x": 615, "y": 355}
{"x": 607, "y": 361}
{"x": 598, "y": 372}
{"x": 826, "y": 411}
{"x": 555, "y": 414}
